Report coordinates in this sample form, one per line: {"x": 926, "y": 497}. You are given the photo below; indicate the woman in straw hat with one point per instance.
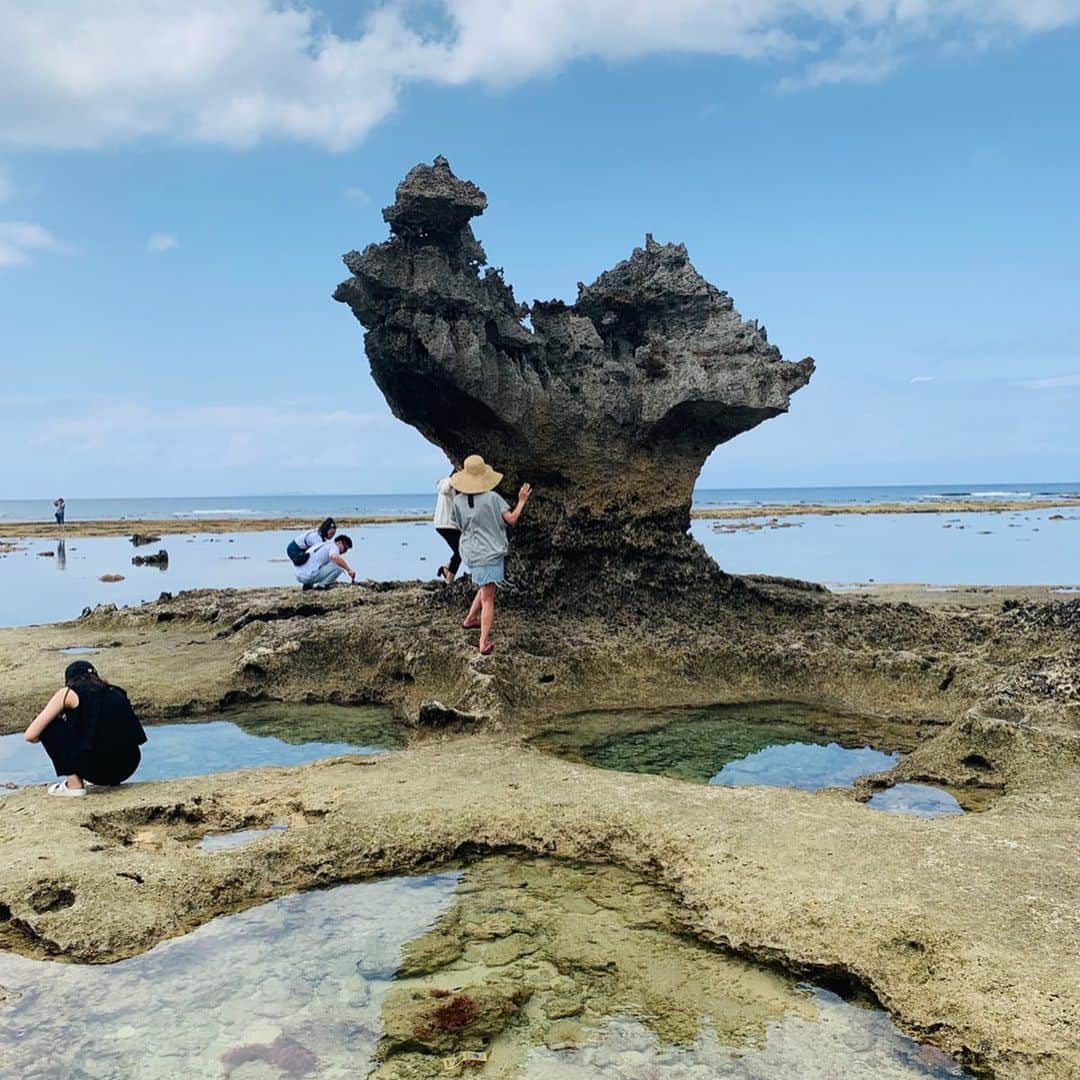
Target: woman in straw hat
{"x": 482, "y": 515}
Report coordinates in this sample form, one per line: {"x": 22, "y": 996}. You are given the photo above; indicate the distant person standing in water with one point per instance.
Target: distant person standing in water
{"x": 445, "y": 527}
{"x": 59, "y": 506}
{"x": 325, "y": 564}
{"x": 90, "y": 732}
{"x": 483, "y": 515}
{"x": 301, "y": 547}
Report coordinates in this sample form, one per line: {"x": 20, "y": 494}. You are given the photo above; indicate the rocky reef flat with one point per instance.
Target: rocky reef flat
{"x": 963, "y": 928}
{"x": 24, "y": 530}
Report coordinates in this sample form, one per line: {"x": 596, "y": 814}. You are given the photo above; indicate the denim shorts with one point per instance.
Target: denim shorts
{"x": 488, "y": 574}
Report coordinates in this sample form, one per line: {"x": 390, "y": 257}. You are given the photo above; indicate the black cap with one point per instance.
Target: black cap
{"x": 78, "y": 669}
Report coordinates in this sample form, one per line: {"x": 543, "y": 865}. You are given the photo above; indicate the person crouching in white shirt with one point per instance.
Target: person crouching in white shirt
{"x": 326, "y": 564}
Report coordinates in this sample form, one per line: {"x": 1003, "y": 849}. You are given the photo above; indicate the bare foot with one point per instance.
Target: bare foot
{"x": 469, "y": 625}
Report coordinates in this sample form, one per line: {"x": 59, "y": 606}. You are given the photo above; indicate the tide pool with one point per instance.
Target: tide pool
{"x": 279, "y": 735}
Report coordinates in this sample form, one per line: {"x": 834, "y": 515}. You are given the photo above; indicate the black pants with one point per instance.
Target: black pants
{"x": 453, "y": 538}
{"x": 297, "y": 554}
{"x": 105, "y": 764}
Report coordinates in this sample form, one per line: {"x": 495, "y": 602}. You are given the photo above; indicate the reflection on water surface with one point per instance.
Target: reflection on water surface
{"x": 781, "y": 744}
{"x": 258, "y": 735}
{"x": 508, "y": 969}
{"x": 919, "y": 799}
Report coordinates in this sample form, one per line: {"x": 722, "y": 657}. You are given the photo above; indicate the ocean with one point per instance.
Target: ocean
{"x": 316, "y": 507}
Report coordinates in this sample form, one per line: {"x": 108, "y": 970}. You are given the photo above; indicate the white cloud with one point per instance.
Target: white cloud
{"x": 357, "y": 195}
{"x": 20, "y": 239}
{"x": 1053, "y": 382}
{"x": 230, "y": 436}
{"x": 923, "y": 378}
{"x": 162, "y": 241}
{"x": 74, "y": 74}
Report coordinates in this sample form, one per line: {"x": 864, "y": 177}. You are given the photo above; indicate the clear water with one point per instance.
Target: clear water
{"x": 240, "y": 838}
{"x": 933, "y": 549}
{"x": 806, "y": 766}
{"x": 42, "y": 590}
{"x": 45, "y": 581}
{"x": 534, "y": 970}
{"x": 280, "y": 735}
{"x": 776, "y": 743}
{"x": 919, "y": 799}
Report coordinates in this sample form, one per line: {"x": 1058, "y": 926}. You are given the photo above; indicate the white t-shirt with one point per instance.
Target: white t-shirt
{"x": 318, "y": 558}
{"x": 309, "y": 539}
{"x": 444, "y": 505}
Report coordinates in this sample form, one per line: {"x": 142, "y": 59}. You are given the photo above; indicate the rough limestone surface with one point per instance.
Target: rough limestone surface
{"x": 609, "y": 406}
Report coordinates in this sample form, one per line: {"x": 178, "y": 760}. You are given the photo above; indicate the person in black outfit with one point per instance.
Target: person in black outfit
{"x": 445, "y": 527}
{"x": 90, "y": 732}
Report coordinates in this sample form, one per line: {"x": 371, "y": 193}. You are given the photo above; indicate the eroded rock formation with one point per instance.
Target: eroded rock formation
{"x": 609, "y": 406}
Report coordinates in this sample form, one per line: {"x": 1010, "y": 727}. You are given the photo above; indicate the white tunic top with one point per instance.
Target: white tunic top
{"x": 444, "y": 505}
{"x": 319, "y": 557}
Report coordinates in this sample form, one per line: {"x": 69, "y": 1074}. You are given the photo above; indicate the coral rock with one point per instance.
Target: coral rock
{"x": 609, "y": 405}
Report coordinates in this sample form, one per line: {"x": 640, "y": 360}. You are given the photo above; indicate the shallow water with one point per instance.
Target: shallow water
{"x": 49, "y": 581}
{"x": 919, "y": 799}
{"x": 240, "y": 838}
{"x": 774, "y": 743}
{"x": 807, "y": 766}
{"x": 936, "y": 549}
{"x": 258, "y": 736}
{"x": 541, "y": 970}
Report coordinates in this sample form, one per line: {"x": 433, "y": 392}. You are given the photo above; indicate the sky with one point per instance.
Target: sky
{"x": 890, "y": 186}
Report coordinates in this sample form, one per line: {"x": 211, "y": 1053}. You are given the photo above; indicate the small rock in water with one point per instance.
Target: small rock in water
{"x": 160, "y": 559}
{"x": 111, "y": 577}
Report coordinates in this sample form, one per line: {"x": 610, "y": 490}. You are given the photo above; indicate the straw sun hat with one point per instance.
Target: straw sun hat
{"x": 477, "y": 476}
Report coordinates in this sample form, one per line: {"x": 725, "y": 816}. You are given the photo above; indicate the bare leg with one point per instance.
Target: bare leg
{"x": 74, "y": 781}
{"x": 487, "y": 614}
{"x": 473, "y": 618}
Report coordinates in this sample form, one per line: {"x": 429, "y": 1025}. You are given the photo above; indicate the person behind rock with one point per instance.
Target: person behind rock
{"x": 90, "y": 732}
{"x": 445, "y": 527}
{"x": 300, "y": 547}
{"x": 482, "y": 515}
{"x": 325, "y": 564}
{"x": 59, "y": 505}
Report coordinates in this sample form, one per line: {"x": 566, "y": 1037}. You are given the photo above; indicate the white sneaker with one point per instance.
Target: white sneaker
{"x": 60, "y": 788}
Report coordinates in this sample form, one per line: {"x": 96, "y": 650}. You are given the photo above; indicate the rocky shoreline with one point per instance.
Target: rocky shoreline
{"x": 963, "y": 929}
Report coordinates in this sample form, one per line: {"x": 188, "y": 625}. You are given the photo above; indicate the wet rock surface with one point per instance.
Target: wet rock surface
{"x": 961, "y": 926}
{"x": 609, "y": 406}
{"x": 509, "y": 969}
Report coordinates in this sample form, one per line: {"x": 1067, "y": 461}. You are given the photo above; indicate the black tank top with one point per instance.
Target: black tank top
{"x": 104, "y": 718}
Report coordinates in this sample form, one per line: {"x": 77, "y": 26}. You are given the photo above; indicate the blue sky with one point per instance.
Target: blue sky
{"x": 889, "y": 185}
